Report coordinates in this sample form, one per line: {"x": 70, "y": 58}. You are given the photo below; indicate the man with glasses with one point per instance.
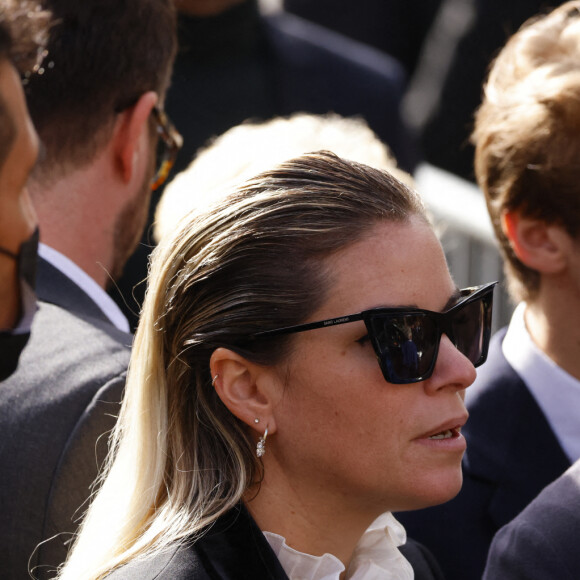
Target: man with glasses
{"x": 97, "y": 106}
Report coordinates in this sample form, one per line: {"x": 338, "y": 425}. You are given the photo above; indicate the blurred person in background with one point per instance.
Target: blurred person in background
{"x": 445, "y": 47}
{"x": 253, "y": 147}
{"x": 396, "y": 27}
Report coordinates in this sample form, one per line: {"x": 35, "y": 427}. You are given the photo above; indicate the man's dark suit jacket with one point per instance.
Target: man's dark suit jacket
{"x": 512, "y": 454}
{"x": 236, "y": 549}
{"x": 61, "y": 401}
{"x": 542, "y": 542}
{"x": 242, "y": 65}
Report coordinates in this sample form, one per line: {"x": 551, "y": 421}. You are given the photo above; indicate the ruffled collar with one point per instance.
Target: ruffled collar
{"x": 376, "y": 556}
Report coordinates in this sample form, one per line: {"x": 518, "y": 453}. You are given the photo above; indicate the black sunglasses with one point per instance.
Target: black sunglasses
{"x": 406, "y": 340}
{"x": 168, "y": 146}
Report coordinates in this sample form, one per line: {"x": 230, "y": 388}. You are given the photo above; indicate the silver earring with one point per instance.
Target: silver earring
{"x": 261, "y": 446}
{"x": 256, "y": 420}
{"x": 214, "y": 380}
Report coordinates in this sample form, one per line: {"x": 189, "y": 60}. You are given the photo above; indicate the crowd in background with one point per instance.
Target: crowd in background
{"x": 171, "y": 123}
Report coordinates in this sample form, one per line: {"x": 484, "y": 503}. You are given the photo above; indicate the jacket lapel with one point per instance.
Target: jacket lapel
{"x": 235, "y": 548}
{"x": 56, "y": 288}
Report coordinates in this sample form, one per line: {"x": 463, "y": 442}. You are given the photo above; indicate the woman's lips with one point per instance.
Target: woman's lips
{"x": 447, "y": 435}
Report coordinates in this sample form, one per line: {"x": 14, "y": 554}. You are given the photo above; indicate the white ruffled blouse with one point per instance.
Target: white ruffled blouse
{"x": 376, "y": 556}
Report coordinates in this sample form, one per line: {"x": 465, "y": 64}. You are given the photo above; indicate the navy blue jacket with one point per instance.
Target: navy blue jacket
{"x": 542, "y": 542}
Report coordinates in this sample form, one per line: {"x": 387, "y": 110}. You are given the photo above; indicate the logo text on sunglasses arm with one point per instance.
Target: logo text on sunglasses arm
{"x": 336, "y": 321}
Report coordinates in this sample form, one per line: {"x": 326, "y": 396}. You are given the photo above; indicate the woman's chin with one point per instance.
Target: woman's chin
{"x": 435, "y": 491}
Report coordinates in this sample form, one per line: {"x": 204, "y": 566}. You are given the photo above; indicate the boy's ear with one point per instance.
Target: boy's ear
{"x": 538, "y": 245}
{"x": 245, "y": 388}
{"x": 132, "y": 123}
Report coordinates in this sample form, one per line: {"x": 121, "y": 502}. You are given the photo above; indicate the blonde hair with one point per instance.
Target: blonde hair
{"x": 250, "y": 148}
{"x": 251, "y": 262}
{"x": 527, "y": 133}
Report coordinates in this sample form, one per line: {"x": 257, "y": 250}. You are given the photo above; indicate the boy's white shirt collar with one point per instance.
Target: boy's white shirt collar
{"x": 556, "y": 391}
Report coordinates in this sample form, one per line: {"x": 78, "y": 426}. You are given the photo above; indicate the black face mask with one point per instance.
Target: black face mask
{"x": 11, "y": 345}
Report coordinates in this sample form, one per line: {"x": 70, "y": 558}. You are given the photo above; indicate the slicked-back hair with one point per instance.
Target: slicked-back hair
{"x": 527, "y": 133}
{"x": 255, "y": 260}
{"x": 102, "y": 56}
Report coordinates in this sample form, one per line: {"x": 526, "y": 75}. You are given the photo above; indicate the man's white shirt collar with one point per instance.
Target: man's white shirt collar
{"x": 556, "y": 391}
{"x": 86, "y": 284}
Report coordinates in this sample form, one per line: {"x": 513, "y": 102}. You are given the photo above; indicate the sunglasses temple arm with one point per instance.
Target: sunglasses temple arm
{"x": 311, "y": 325}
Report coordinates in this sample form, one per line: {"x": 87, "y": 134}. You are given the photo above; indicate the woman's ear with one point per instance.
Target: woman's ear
{"x": 538, "y": 245}
{"x": 245, "y": 388}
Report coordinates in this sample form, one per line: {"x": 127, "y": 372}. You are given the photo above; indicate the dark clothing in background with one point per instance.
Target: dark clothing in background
{"x": 446, "y": 47}
{"x": 396, "y": 27}
{"x": 445, "y": 136}
{"x": 542, "y": 542}
{"x": 243, "y": 65}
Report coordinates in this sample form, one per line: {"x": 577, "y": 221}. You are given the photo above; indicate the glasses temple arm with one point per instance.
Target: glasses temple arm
{"x": 311, "y": 325}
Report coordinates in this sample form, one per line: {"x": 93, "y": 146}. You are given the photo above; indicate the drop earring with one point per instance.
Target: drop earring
{"x": 261, "y": 446}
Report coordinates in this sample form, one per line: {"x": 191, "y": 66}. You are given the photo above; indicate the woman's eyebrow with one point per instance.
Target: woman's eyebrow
{"x": 452, "y": 299}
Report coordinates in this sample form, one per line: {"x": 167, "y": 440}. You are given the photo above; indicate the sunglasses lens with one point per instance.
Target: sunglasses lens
{"x": 406, "y": 344}
{"x": 469, "y": 330}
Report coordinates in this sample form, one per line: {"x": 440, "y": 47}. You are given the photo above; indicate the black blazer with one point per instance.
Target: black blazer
{"x": 512, "y": 454}
{"x": 236, "y": 549}
{"x": 542, "y": 542}
{"x": 55, "y": 413}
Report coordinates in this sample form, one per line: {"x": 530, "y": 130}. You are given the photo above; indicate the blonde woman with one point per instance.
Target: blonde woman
{"x": 271, "y": 422}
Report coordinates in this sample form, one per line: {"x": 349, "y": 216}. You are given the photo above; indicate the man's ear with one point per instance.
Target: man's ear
{"x": 248, "y": 390}
{"x": 538, "y": 245}
{"x": 131, "y": 125}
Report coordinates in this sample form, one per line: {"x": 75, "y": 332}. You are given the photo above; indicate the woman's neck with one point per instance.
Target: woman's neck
{"x": 316, "y": 526}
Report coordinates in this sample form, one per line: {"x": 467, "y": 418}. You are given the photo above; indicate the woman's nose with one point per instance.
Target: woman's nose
{"x": 453, "y": 370}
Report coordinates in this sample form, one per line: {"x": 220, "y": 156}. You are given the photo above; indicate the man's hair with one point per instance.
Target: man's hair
{"x": 527, "y": 133}
{"x": 102, "y": 56}
{"x": 23, "y": 36}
